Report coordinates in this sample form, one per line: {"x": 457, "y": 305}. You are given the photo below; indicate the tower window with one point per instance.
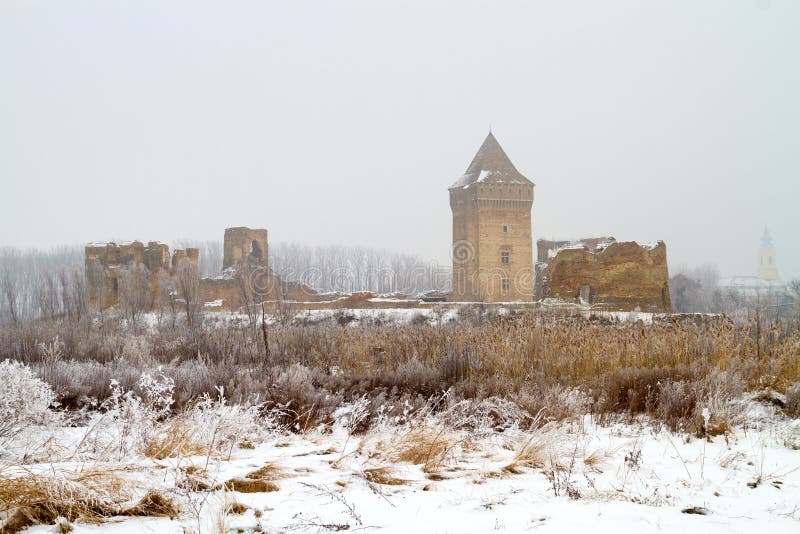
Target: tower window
{"x": 505, "y": 228}
{"x": 504, "y": 285}
{"x": 770, "y": 260}
{"x": 505, "y": 257}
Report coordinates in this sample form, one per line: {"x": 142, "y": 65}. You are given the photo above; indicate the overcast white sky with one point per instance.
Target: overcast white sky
{"x": 346, "y": 121}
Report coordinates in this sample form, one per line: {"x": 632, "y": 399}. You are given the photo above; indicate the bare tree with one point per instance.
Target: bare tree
{"x": 28, "y": 271}
{"x": 80, "y": 295}
{"x": 187, "y": 285}
{"x": 134, "y": 289}
{"x": 696, "y": 290}
{"x": 338, "y": 268}
{"x": 169, "y": 296}
{"x": 9, "y": 288}
{"x": 47, "y": 295}
{"x": 794, "y": 293}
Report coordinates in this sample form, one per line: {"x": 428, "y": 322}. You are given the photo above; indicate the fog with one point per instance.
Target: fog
{"x": 345, "y": 122}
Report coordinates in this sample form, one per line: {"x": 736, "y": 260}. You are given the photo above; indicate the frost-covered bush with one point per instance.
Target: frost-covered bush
{"x": 24, "y": 398}
{"x": 719, "y": 398}
{"x": 157, "y": 393}
{"x": 493, "y": 413}
{"x": 135, "y": 418}
{"x": 146, "y": 423}
{"x": 219, "y": 425}
{"x": 136, "y": 350}
{"x": 553, "y": 402}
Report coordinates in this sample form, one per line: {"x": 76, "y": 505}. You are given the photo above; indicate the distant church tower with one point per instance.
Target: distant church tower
{"x": 492, "y": 241}
{"x": 767, "y": 266}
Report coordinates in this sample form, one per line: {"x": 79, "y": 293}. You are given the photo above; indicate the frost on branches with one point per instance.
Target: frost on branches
{"x": 24, "y": 399}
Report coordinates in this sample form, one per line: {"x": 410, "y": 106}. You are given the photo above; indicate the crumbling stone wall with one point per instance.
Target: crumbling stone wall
{"x": 105, "y": 264}
{"x": 620, "y": 276}
{"x": 235, "y": 289}
{"x": 191, "y": 254}
{"x": 246, "y": 278}
{"x": 545, "y": 247}
{"x": 245, "y": 244}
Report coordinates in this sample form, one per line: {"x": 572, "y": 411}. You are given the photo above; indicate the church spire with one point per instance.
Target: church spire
{"x": 766, "y": 239}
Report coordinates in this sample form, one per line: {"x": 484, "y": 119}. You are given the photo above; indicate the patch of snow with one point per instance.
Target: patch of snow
{"x": 587, "y": 477}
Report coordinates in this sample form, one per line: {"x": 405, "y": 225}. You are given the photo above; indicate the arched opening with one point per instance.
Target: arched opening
{"x": 255, "y": 251}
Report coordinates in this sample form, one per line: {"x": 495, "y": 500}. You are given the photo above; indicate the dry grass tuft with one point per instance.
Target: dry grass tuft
{"x": 269, "y": 472}
{"x": 422, "y": 446}
{"x": 718, "y": 427}
{"x": 31, "y": 499}
{"x": 246, "y": 443}
{"x": 176, "y": 439}
{"x": 532, "y": 453}
{"x": 246, "y": 485}
{"x": 592, "y": 461}
{"x": 236, "y": 508}
{"x": 194, "y": 478}
{"x": 514, "y": 468}
{"x": 262, "y": 480}
{"x": 153, "y": 504}
{"x": 60, "y": 499}
{"x": 382, "y": 475}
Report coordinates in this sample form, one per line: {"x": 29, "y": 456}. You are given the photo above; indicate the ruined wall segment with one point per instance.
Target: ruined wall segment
{"x": 546, "y": 249}
{"x": 191, "y": 254}
{"x": 106, "y": 263}
{"x": 246, "y": 278}
{"x": 245, "y": 244}
{"x": 619, "y": 276}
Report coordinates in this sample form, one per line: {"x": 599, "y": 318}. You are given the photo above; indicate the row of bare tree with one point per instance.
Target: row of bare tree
{"x": 348, "y": 269}
{"x": 34, "y": 283}
{"x": 697, "y": 290}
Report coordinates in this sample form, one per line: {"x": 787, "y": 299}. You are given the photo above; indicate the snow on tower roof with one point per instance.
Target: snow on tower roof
{"x": 491, "y": 164}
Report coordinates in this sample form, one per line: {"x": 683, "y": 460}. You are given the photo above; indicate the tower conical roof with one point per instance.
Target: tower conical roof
{"x": 491, "y": 164}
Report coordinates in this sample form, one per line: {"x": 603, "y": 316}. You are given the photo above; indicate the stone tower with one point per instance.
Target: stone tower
{"x": 243, "y": 244}
{"x": 492, "y": 242}
{"x": 767, "y": 266}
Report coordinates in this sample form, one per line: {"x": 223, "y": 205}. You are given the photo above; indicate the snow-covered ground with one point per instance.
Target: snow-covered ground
{"x": 429, "y": 475}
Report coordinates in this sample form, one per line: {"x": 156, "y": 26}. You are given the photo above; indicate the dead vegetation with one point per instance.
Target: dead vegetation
{"x": 559, "y": 367}
{"x": 262, "y": 480}
{"x": 175, "y": 439}
{"x": 88, "y": 496}
{"x": 383, "y": 476}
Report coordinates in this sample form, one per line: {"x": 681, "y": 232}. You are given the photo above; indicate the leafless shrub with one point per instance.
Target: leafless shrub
{"x": 187, "y": 286}
{"x": 134, "y": 291}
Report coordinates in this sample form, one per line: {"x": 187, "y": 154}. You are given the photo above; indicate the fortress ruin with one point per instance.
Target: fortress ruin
{"x": 492, "y": 252}
{"x": 604, "y": 273}
{"x": 245, "y": 280}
